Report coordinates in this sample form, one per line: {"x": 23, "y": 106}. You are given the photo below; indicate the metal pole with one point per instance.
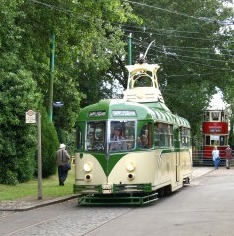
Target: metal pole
{"x": 39, "y": 156}
{"x": 130, "y": 49}
{"x": 51, "y": 79}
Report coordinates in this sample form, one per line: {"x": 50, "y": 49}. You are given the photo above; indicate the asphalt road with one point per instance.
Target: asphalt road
{"x": 204, "y": 208}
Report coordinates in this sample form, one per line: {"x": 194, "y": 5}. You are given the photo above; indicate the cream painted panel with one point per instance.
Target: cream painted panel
{"x": 145, "y": 168}
{"x": 97, "y": 173}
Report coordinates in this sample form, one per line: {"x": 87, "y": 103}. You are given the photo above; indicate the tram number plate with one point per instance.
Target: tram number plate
{"x": 107, "y": 188}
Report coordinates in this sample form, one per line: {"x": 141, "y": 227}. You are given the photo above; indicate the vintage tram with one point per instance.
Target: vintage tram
{"x": 215, "y": 133}
{"x": 131, "y": 150}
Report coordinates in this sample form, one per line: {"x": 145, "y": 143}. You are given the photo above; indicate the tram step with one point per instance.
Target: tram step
{"x": 117, "y": 200}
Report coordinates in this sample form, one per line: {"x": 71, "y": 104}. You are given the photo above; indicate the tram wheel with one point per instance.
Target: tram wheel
{"x": 165, "y": 191}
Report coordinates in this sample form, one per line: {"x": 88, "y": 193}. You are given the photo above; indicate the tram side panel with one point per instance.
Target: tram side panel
{"x": 174, "y": 168}
{"x": 186, "y": 164}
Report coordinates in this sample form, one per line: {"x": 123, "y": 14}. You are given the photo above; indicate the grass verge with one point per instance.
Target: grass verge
{"x": 50, "y": 188}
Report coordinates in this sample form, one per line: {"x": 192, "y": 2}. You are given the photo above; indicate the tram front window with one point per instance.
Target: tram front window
{"x": 95, "y": 136}
{"x": 122, "y": 136}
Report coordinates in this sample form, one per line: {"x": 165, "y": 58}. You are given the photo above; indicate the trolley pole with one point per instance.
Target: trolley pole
{"x": 130, "y": 49}
{"x": 39, "y": 156}
{"x": 50, "y": 110}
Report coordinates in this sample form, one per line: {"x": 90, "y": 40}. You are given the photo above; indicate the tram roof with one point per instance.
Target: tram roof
{"x": 180, "y": 121}
{"x": 119, "y": 108}
{"x": 168, "y": 117}
{"x": 116, "y": 109}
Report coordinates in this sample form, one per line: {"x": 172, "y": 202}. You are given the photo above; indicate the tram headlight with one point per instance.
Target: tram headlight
{"x": 130, "y": 166}
{"x": 88, "y": 166}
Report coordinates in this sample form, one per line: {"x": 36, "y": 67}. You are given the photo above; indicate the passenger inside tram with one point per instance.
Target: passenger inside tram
{"x": 117, "y": 140}
{"x": 143, "y": 142}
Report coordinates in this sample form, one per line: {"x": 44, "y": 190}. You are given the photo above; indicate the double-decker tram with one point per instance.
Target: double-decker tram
{"x": 131, "y": 150}
{"x": 215, "y": 133}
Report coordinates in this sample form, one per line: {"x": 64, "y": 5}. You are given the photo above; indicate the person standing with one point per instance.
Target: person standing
{"x": 215, "y": 157}
{"x": 62, "y": 157}
{"x": 228, "y": 152}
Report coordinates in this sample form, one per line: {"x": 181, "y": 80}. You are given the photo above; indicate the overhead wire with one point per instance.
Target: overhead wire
{"x": 173, "y": 54}
{"x": 179, "y": 13}
{"x": 53, "y": 7}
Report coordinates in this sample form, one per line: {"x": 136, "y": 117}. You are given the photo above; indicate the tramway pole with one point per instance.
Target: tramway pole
{"x": 130, "y": 49}
{"x": 50, "y": 110}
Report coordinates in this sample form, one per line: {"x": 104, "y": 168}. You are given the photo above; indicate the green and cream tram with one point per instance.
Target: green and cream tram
{"x": 131, "y": 150}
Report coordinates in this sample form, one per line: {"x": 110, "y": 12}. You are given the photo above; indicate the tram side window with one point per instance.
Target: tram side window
{"x": 78, "y": 137}
{"x": 163, "y": 135}
{"x": 185, "y": 136}
{"x": 207, "y": 140}
{"x": 95, "y": 136}
{"x": 144, "y": 138}
{"x": 214, "y": 139}
{"x": 219, "y": 140}
{"x": 223, "y": 140}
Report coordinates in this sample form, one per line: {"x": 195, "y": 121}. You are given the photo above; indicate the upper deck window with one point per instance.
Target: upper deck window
{"x": 215, "y": 116}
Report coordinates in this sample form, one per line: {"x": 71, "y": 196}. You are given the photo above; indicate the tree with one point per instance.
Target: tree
{"x": 18, "y": 93}
{"x": 49, "y": 143}
{"x": 18, "y": 140}
{"x": 88, "y": 35}
{"x": 190, "y": 46}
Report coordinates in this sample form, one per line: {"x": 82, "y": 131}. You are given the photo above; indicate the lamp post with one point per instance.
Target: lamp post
{"x": 50, "y": 110}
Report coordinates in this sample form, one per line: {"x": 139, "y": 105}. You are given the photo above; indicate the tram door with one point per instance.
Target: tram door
{"x": 178, "y": 169}
{"x": 177, "y": 154}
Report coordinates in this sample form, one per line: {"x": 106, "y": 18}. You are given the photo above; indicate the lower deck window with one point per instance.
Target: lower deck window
{"x": 163, "y": 135}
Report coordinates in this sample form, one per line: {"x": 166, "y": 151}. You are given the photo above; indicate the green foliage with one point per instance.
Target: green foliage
{"x": 88, "y": 35}
{"x": 18, "y": 140}
{"x": 192, "y": 46}
{"x": 90, "y": 50}
{"x": 49, "y": 143}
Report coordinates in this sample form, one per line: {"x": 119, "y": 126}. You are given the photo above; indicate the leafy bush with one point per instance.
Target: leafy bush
{"x": 18, "y": 139}
{"x": 50, "y": 143}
